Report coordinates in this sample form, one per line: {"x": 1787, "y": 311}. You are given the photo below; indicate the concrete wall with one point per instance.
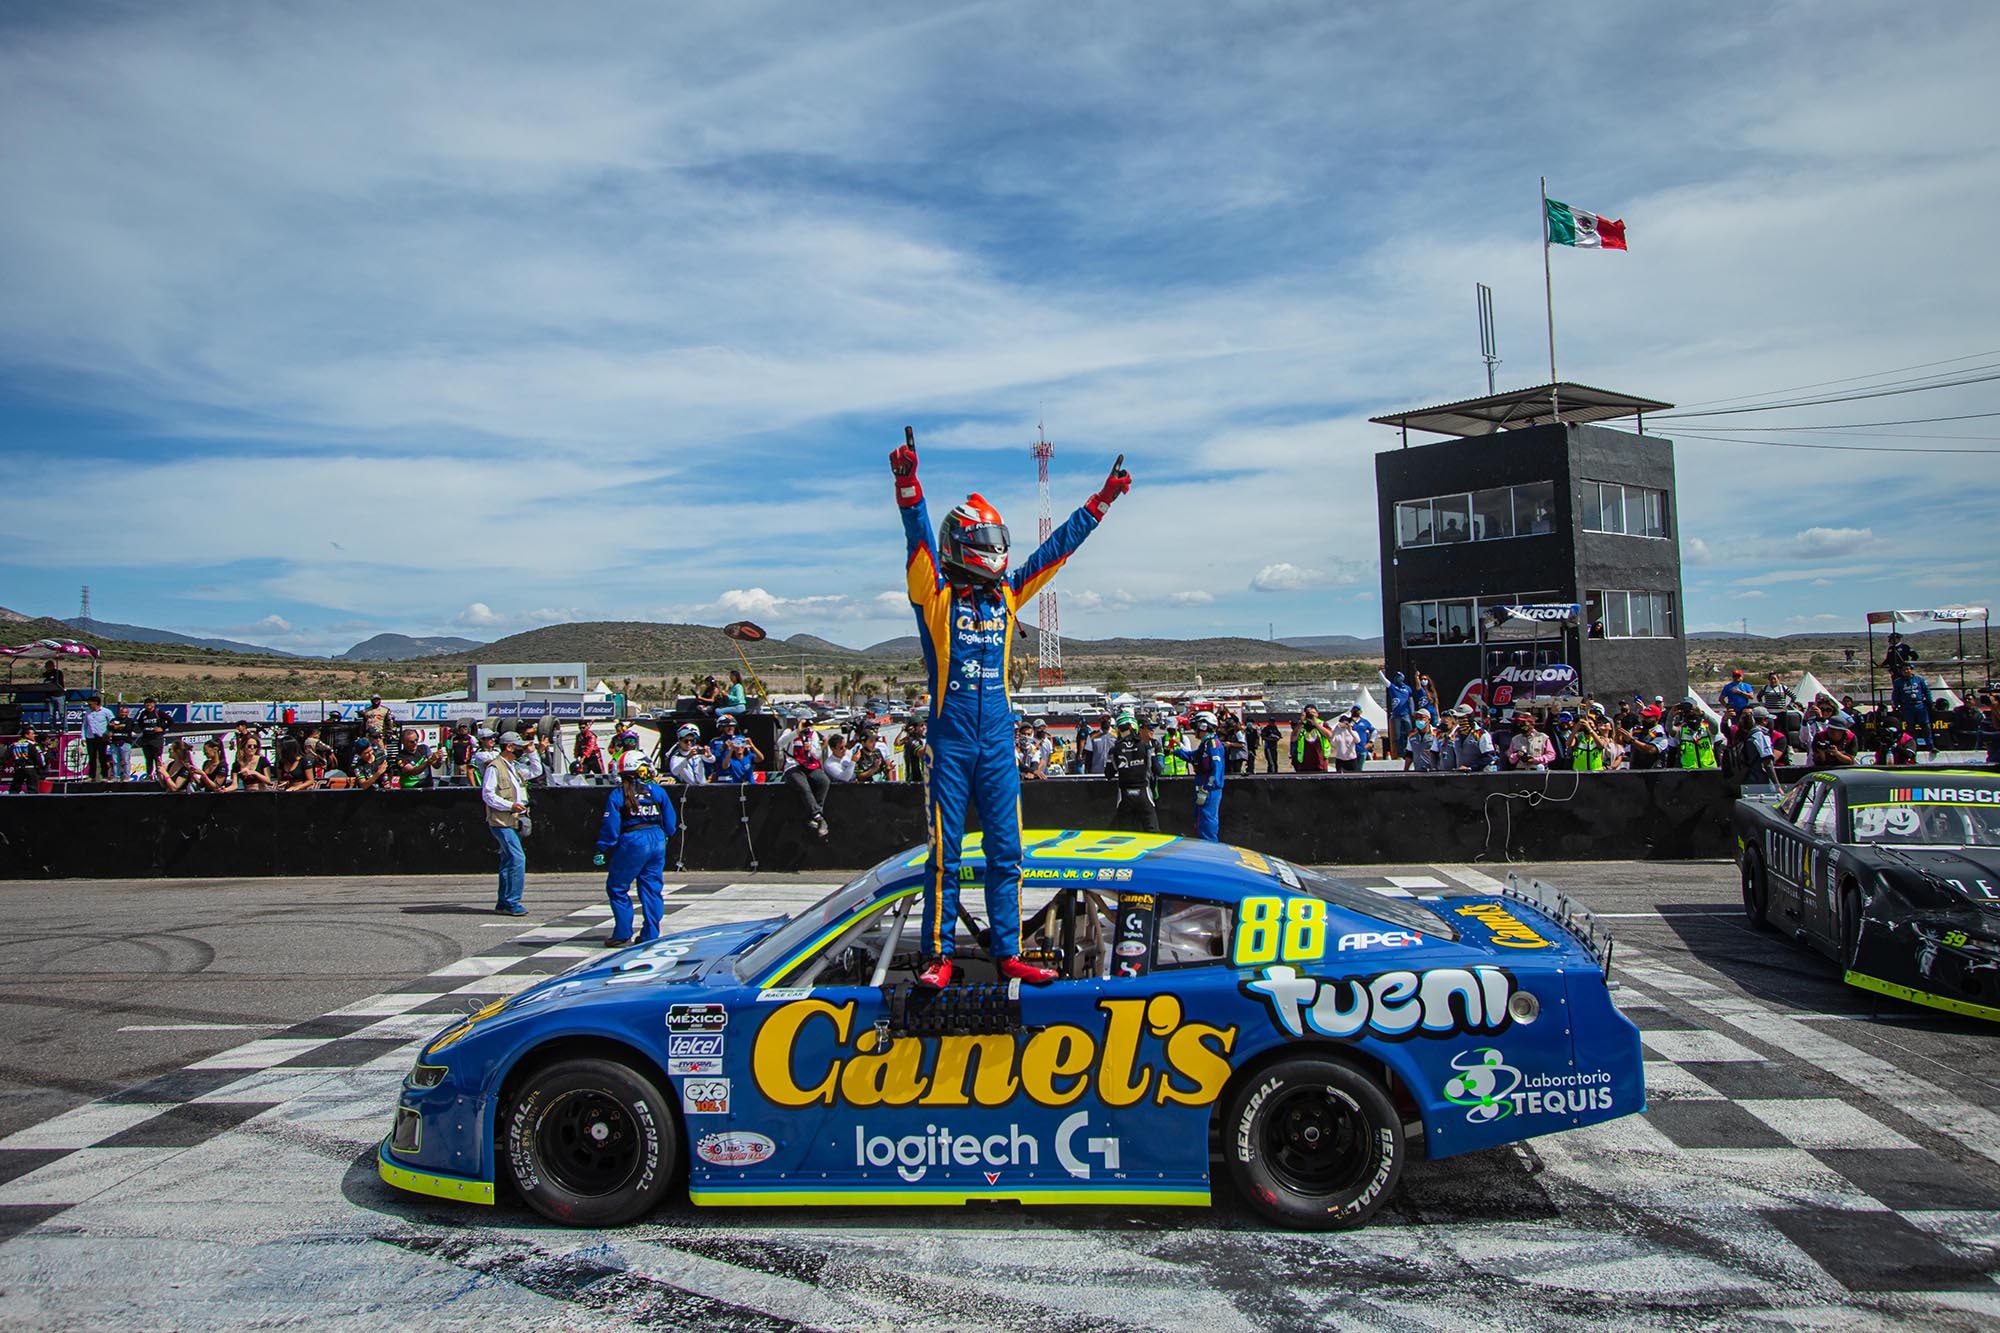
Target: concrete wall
{"x": 1376, "y": 817}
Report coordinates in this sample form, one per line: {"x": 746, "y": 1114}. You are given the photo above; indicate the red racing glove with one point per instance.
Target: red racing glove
{"x": 1115, "y": 485}
{"x": 903, "y": 462}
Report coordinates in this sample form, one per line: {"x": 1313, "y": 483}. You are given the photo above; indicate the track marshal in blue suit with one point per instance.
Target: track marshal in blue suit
{"x": 966, "y": 600}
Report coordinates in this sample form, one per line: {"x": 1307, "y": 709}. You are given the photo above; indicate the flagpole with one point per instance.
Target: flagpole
{"x": 1549, "y": 304}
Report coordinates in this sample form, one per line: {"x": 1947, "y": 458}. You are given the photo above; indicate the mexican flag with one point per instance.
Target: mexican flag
{"x": 1586, "y": 231}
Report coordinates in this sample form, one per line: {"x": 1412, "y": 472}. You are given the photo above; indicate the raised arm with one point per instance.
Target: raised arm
{"x": 1036, "y": 571}
{"x": 921, "y": 568}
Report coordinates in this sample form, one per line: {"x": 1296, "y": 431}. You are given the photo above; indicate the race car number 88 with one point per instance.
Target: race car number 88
{"x": 1274, "y": 929}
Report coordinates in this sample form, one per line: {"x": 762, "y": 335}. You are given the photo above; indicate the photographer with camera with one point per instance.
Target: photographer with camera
{"x": 805, "y": 770}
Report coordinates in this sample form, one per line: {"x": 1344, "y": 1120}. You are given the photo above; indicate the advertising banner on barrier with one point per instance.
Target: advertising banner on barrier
{"x": 405, "y": 711}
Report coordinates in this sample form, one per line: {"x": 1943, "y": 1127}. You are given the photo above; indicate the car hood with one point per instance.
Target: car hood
{"x": 1967, "y": 866}
{"x": 681, "y": 956}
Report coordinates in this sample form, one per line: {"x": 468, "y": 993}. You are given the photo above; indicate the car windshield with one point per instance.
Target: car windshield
{"x": 787, "y": 939}
{"x": 1928, "y": 823}
{"x": 1405, "y": 912}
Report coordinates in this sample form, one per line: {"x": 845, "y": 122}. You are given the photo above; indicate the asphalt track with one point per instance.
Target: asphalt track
{"x": 193, "y": 1076}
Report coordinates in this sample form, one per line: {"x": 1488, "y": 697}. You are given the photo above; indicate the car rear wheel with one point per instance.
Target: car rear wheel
{"x": 591, "y": 1142}
{"x": 1756, "y": 891}
{"x": 1314, "y": 1144}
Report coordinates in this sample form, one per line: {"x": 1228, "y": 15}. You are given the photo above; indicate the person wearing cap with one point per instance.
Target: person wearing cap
{"x": 912, "y": 742}
{"x": 1027, "y": 755}
{"x": 729, "y": 738}
{"x": 1912, "y": 694}
{"x": 152, "y": 724}
{"x": 1758, "y": 769}
{"x": 1345, "y": 743}
{"x": 638, "y": 820}
{"x": 1417, "y": 755}
{"x": 504, "y": 793}
{"x": 1736, "y": 695}
{"x": 688, "y": 762}
{"x": 1131, "y": 771}
{"x": 1694, "y": 739}
{"x": 1205, "y": 761}
{"x": 1530, "y": 749}
{"x": 370, "y": 768}
{"x": 1900, "y": 653}
{"x": 376, "y": 719}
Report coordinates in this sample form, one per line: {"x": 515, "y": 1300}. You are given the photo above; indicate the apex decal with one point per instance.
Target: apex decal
{"x": 1440, "y": 1002}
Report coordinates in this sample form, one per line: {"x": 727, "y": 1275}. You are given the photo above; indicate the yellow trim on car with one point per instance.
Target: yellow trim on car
{"x": 1914, "y": 996}
{"x": 875, "y": 1196}
{"x": 441, "y": 1187}
{"x": 827, "y": 937}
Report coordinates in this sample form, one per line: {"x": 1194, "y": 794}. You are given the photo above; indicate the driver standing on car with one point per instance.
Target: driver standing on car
{"x": 966, "y": 601}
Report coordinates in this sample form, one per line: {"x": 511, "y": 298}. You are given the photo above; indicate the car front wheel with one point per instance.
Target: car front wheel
{"x": 1756, "y": 891}
{"x": 1314, "y": 1144}
{"x": 591, "y": 1142}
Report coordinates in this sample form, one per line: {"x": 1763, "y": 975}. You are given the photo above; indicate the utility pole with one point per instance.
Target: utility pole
{"x": 1048, "y": 662}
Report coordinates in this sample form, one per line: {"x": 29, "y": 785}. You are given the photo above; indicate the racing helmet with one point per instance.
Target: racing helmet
{"x": 688, "y": 732}
{"x": 1204, "y": 722}
{"x": 1127, "y": 720}
{"x": 972, "y": 541}
{"x": 633, "y": 765}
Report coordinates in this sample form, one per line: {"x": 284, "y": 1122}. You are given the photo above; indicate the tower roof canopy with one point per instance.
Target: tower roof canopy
{"x": 1579, "y": 403}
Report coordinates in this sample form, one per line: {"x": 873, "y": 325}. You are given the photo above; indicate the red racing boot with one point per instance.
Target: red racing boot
{"x": 1016, "y": 970}
{"x": 937, "y": 976}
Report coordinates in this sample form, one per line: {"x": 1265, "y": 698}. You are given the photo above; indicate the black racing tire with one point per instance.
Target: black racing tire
{"x": 1850, "y": 925}
{"x": 590, "y": 1142}
{"x": 1314, "y": 1144}
{"x": 1756, "y": 892}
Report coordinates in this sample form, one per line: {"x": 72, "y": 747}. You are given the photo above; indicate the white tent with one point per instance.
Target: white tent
{"x": 1943, "y": 696}
{"x": 1808, "y": 688}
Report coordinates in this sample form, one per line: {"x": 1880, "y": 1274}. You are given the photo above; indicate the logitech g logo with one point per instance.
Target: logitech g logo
{"x": 1066, "y": 1132}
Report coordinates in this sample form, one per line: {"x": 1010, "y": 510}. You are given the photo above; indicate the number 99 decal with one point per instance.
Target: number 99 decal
{"x": 1289, "y": 930}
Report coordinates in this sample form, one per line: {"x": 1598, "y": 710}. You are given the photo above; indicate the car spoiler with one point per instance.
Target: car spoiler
{"x": 1565, "y": 911}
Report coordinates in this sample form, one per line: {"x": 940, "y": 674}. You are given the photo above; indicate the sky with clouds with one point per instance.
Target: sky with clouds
{"x": 325, "y": 320}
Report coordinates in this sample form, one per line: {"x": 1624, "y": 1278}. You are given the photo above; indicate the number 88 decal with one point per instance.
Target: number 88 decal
{"x": 1280, "y": 929}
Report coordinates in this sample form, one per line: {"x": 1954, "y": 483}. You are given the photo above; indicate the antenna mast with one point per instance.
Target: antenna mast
{"x": 1050, "y": 672}
{"x": 1489, "y": 346}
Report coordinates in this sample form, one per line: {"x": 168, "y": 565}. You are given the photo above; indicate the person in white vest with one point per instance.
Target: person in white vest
{"x": 504, "y": 792}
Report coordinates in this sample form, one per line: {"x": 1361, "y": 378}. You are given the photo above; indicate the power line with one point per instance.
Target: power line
{"x": 1860, "y": 425}
{"x": 1839, "y": 448}
{"x": 1840, "y": 398}
{"x": 1821, "y": 384}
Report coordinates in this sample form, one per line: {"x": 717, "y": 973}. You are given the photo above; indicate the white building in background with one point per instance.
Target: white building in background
{"x": 527, "y": 680}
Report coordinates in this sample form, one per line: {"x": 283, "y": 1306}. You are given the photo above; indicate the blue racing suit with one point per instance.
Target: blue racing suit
{"x": 1913, "y": 700}
{"x": 1205, "y": 759}
{"x": 967, "y": 632}
{"x": 637, "y": 842}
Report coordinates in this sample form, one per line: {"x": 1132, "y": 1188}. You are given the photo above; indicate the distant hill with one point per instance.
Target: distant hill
{"x": 142, "y": 634}
{"x": 611, "y": 646}
{"x": 403, "y": 648}
{"x": 113, "y": 649}
{"x": 1341, "y": 645}
{"x": 12, "y": 616}
{"x": 1728, "y": 634}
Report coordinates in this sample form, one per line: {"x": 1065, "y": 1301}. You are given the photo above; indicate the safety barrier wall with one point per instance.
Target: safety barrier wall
{"x": 1365, "y": 818}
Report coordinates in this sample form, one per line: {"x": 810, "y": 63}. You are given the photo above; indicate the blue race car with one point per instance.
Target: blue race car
{"x": 1212, "y": 1001}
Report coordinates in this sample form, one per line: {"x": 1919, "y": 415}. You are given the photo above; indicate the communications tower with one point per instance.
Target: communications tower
{"x": 1050, "y": 652}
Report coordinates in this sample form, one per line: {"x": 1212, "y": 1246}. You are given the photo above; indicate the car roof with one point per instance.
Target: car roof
{"x": 1090, "y": 857}
{"x": 1873, "y": 779}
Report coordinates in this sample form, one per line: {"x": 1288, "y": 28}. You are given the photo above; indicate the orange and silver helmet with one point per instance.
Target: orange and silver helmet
{"x": 972, "y": 542}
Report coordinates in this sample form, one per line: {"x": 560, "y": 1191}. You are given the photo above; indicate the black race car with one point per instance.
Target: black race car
{"x": 1894, "y": 873}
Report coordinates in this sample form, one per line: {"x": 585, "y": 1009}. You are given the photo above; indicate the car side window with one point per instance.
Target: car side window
{"x": 1809, "y": 803}
{"x": 1192, "y": 932}
{"x": 1823, "y": 818}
